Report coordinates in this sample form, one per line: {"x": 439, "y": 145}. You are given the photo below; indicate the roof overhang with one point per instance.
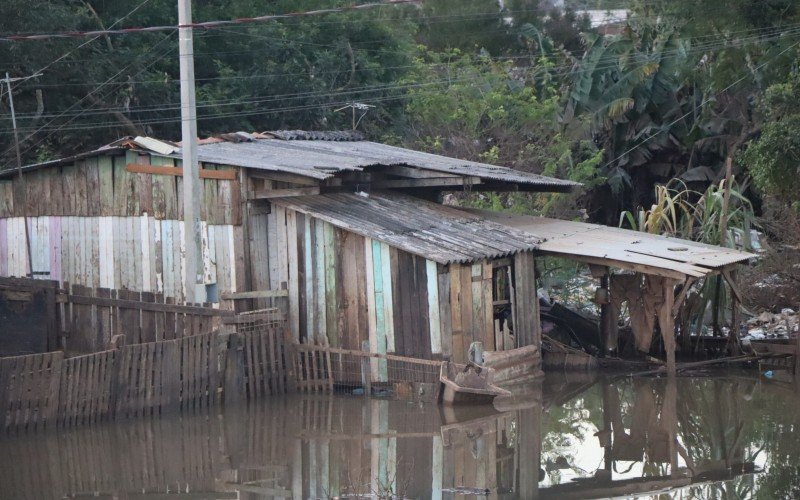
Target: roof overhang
{"x": 622, "y": 248}
{"x": 436, "y": 232}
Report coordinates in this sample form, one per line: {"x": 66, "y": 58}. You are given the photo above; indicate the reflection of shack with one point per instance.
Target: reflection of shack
{"x": 645, "y": 435}
{"x": 323, "y": 447}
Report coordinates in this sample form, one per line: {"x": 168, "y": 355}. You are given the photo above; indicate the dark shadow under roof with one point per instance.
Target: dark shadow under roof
{"x": 436, "y": 232}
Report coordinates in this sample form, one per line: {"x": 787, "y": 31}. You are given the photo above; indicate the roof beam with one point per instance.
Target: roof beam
{"x": 630, "y": 266}
{"x": 283, "y": 177}
{"x": 430, "y": 182}
{"x": 268, "y": 194}
{"x": 220, "y": 175}
{"x": 415, "y": 172}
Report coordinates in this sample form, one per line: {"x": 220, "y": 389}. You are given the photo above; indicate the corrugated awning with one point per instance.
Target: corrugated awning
{"x": 433, "y": 231}
{"x": 622, "y": 248}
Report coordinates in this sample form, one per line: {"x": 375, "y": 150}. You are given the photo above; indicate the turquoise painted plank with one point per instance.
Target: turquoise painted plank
{"x": 380, "y": 308}
{"x": 388, "y": 297}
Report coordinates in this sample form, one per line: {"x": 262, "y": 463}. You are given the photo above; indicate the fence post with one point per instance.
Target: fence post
{"x": 54, "y": 390}
{"x": 233, "y": 385}
{"x": 366, "y": 372}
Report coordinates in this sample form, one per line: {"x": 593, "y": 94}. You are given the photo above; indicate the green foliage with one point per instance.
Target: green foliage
{"x": 627, "y": 89}
{"x": 774, "y": 158}
{"x": 670, "y": 215}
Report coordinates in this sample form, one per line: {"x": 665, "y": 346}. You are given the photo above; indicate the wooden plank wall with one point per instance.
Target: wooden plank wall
{"x": 102, "y": 186}
{"x": 466, "y": 308}
{"x": 135, "y": 253}
{"x": 346, "y": 289}
{"x": 30, "y": 323}
{"x": 527, "y": 328}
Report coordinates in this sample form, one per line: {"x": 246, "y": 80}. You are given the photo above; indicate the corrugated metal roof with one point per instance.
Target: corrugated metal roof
{"x": 436, "y": 232}
{"x": 109, "y": 149}
{"x": 321, "y": 159}
{"x": 318, "y": 155}
{"x": 620, "y": 245}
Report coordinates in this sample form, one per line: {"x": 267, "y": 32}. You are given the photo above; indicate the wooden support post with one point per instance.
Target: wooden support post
{"x": 734, "y": 346}
{"x": 666, "y": 322}
{"x": 608, "y": 317}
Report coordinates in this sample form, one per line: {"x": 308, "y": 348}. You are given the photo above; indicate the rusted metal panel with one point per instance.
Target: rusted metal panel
{"x": 436, "y": 232}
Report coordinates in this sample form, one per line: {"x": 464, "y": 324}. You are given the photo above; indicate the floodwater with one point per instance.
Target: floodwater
{"x": 730, "y": 436}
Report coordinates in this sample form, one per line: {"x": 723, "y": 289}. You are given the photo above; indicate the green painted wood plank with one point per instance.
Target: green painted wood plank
{"x": 329, "y": 243}
{"x": 319, "y": 279}
{"x": 388, "y": 298}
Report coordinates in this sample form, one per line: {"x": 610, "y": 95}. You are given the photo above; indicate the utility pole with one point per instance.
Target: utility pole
{"x": 7, "y": 80}
{"x": 191, "y": 178}
{"x": 22, "y": 189}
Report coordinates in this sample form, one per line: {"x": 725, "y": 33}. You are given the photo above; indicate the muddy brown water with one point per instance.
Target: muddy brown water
{"x": 730, "y": 436}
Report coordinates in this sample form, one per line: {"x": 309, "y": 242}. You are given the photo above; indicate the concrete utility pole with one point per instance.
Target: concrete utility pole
{"x": 191, "y": 177}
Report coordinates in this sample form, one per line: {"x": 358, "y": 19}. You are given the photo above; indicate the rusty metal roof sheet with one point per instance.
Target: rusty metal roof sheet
{"x": 621, "y": 247}
{"x": 321, "y": 159}
{"x": 436, "y": 232}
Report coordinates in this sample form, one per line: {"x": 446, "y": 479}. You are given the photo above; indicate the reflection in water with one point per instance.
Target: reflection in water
{"x": 575, "y": 437}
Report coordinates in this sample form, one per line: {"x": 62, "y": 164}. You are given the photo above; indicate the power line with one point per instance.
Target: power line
{"x": 200, "y": 25}
{"x": 562, "y": 70}
{"x": 57, "y": 60}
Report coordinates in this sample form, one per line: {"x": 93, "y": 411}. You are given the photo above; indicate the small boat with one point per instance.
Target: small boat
{"x": 467, "y": 384}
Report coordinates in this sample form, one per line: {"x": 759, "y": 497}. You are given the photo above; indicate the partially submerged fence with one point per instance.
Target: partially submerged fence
{"x": 325, "y": 369}
{"x": 43, "y": 316}
{"x": 92, "y": 317}
{"x": 186, "y": 374}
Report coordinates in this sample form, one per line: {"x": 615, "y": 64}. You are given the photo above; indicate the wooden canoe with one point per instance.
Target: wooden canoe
{"x": 467, "y": 385}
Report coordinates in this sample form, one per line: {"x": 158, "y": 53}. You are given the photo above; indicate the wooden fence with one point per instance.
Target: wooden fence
{"x": 92, "y": 317}
{"x": 140, "y": 380}
{"x": 323, "y": 369}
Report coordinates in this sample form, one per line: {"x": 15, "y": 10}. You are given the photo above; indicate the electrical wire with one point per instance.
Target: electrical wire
{"x": 199, "y": 25}
{"x": 555, "y": 71}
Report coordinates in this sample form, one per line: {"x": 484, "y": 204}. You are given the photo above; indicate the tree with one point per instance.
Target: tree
{"x": 773, "y": 159}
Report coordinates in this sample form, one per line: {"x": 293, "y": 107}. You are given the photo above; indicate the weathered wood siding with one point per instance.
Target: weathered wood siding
{"x": 142, "y": 253}
{"x": 466, "y": 308}
{"x": 527, "y": 326}
{"x": 346, "y": 289}
{"x": 102, "y": 186}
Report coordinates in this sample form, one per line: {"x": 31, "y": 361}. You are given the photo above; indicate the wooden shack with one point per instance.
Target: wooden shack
{"x": 352, "y": 231}
{"x": 329, "y": 217}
